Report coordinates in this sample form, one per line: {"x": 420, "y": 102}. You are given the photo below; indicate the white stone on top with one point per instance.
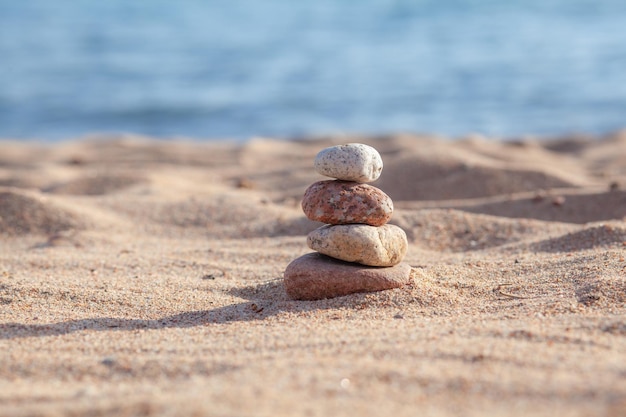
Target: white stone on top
{"x": 351, "y": 162}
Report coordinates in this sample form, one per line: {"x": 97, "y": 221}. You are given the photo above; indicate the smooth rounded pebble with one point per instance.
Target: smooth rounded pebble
{"x": 368, "y": 245}
{"x": 351, "y": 162}
{"x": 346, "y": 202}
{"x": 315, "y": 276}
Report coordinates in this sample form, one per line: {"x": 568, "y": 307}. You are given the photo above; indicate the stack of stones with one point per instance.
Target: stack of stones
{"x": 357, "y": 250}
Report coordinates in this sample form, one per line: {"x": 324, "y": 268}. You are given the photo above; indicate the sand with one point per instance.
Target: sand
{"x": 144, "y": 277}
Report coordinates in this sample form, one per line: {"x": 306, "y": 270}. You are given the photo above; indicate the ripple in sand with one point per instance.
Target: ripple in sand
{"x": 591, "y": 237}
{"x": 419, "y": 179}
{"x": 22, "y": 214}
{"x": 575, "y": 208}
{"x": 225, "y": 215}
{"x": 96, "y": 185}
{"x": 449, "y": 230}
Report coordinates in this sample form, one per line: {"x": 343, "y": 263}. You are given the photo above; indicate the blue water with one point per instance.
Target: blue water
{"x": 240, "y": 68}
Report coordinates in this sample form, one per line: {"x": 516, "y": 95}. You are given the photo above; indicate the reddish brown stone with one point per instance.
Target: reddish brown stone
{"x": 346, "y": 202}
{"x": 315, "y": 276}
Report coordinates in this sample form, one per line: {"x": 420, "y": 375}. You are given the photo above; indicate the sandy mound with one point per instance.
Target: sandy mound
{"x": 242, "y": 219}
{"x": 222, "y": 214}
{"x": 98, "y": 184}
{"x": 414, "y": 178}
{"x": 21, "y": 179}
{"x": 556, "y": 206}
{"x": 25, "y": 213}
{"x": 457, "y": 231}
{"x": 607, "y": 157}
{"x": 19, "y": 155}
{"x": 427, "y": 169}
{"x": 133, "y": 151}
{"x": 602, "y": 236}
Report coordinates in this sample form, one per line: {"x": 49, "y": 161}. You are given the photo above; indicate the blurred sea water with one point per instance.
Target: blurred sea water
{"x": 240, "y": 68}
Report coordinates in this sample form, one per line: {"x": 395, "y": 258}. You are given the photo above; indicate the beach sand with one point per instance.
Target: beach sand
{"x": 144, "y": 277}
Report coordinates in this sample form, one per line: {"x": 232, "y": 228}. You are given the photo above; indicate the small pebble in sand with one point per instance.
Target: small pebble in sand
{"x": 368, "y": 245}
{"x": 350, "y": 162}
{"x": 539, "y": 197}
{"x": 346, "y": 202}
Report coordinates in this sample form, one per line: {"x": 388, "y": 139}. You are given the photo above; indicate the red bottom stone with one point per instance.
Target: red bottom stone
{"x": 315, "y": 276}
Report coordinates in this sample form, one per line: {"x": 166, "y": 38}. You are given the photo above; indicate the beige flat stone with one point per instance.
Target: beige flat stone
{"x": 368, "y": 245}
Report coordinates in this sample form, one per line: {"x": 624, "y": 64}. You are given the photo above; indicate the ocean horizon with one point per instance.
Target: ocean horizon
{"x": 239, "y": 69}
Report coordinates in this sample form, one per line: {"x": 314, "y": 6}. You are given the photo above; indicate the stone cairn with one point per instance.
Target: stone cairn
{"x": 356, "y": 250}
